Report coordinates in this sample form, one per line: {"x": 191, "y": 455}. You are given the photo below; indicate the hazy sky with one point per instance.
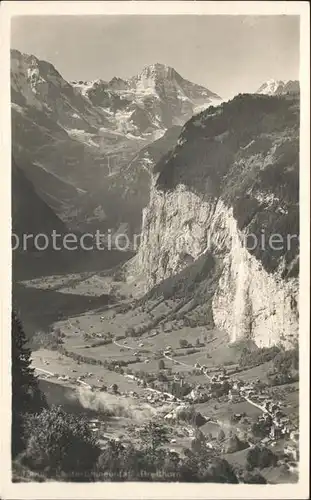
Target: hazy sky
{"x": 227, "y": 54}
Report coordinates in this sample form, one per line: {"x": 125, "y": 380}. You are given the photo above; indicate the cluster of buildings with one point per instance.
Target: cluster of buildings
{"x": 198, "y": 395}
{"x": 281, "y": 425}
{"x": 218, "y": 386}
{"x": 158, "y": 397}
{"x": 240, "y": 390}
{"x": 277, "y": 423}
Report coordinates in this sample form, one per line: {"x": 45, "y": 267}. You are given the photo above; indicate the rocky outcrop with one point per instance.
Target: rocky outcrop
{"x": 232, "y": 179}
{"x": 37, "y": 84}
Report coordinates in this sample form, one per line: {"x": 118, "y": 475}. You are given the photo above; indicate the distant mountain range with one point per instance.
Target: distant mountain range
{"x": 279, "y": 87}
{"x": 74, "y": 139}
{"x": 93, "y": 155}
{"x": 89, "y": 147}
{"x": 155, "y": 99}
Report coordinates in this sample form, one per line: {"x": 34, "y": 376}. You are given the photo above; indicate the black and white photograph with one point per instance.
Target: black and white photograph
{"x": 156, "y": 296}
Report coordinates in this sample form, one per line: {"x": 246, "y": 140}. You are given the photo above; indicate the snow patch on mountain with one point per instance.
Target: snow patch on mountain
{"x": 85, "y": 132}
{"x": 270, "y": 87}
{"x": 157, "y": 98}
{"x": 82, "y": 136}
{"x": 278, "y": 87}
{"x": 82, "y": 87}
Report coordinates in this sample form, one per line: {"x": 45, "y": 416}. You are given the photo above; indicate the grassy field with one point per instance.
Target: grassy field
{"x": 256, "y": 372}
{"x": 91, "y": 321}
{"x": 57, "y": 364}
{"x": 222, "y": 409}
{"x": 173, "y": 337}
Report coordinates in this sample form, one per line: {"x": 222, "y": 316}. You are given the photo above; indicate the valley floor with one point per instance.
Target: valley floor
{"x": 90, "y": 361}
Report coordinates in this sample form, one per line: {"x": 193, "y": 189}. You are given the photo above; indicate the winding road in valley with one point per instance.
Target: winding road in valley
{"x": 53, "y": 375}
{"x": 125, "y": 346}
{"x": 264, "y": 410}
{"x": 184, "y": 364}
{"x": 43, "y": 371}
{"x": 175, "y": 361}
{"x": 165, "y": 354}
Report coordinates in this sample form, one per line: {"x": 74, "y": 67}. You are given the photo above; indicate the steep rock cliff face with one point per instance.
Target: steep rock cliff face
{"x": 232, "y": 177}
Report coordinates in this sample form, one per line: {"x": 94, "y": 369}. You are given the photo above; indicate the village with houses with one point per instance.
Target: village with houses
{"x": 190, "y": 401}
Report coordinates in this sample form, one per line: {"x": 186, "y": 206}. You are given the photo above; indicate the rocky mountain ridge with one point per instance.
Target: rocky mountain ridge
{"x": 279, "y": 87}
{"x": 74, "y": 141}
{"x": 229, "y": 177}
{"x": 154, "y": 100}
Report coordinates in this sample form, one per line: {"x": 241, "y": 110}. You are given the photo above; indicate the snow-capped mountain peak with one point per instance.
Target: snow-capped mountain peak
{"x": 270, "y": 87}
{"x": 157, "y": 69}
{"x": 154, "y": 99}
{"x": 148, "y": 103}
{"x": 153, "y": 78}
{"x": 278, "y": 87}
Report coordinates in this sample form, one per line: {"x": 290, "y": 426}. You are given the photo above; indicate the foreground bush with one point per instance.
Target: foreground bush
{"x": 148, "y": 463}
{"x": 261, "y": 457}
{"x": 60, "y": 443}
{"x": 254, "y": 478}
{"x": 26, "y": 396}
